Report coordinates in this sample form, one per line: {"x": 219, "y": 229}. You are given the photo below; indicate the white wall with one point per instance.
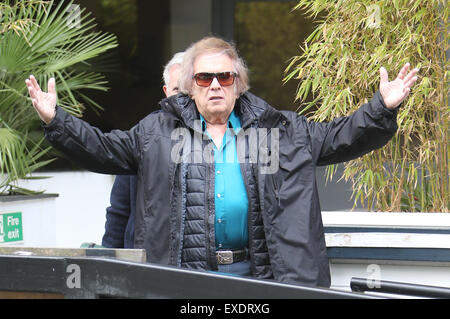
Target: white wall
{"x": 424, "y": 272}
{"x": 38, "y": 222}
{"x": 80, "y": 207}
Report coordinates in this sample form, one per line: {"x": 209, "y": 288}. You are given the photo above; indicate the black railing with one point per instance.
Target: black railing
{"x": 103, "y": 277}
{"x": 392, "y": 287}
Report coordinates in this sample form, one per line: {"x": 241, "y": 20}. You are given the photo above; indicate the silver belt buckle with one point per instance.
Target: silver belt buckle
{"x": 224, "y": 257}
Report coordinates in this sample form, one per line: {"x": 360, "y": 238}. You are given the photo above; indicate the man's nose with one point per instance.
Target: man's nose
{"x": 215, "y": 84}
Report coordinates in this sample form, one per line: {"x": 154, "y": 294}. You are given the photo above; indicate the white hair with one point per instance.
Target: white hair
{"x": 176, "y": 59}
{"x": 212, "y": 45}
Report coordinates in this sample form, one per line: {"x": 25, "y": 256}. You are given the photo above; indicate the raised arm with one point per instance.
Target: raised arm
{"x": 116, "y": 152}
{"x": 368, "y": 128}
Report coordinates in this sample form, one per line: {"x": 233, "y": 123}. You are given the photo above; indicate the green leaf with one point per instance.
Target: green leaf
{"x": 36, "y": 38}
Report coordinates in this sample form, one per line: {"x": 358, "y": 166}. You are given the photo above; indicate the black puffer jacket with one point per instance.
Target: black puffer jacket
{"x": 175, "y": 199}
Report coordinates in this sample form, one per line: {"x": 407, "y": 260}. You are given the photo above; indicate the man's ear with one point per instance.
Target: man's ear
{"x": 165, "y": 89}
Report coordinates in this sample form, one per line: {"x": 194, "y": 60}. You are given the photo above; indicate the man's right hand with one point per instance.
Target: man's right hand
{"x": 44, "y": 103}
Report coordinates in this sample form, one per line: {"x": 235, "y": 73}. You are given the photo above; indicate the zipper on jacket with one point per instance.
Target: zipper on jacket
{"x": 276, "y": 190}
{"x": 249, "y": 223}
{"x": 183, "y": 186}
{"x": 210, "y": 244}
{"x": 249, "y": 211}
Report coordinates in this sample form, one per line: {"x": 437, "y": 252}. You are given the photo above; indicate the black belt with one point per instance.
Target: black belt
{"x": 226, "y": 257}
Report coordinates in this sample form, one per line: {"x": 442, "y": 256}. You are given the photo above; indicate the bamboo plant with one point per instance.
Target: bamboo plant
{"x": 338, "y": 71}
{"x": 47, "y": 40}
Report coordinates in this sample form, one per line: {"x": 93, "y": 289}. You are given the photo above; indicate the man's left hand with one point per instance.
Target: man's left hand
{"x": 396, "y": 91}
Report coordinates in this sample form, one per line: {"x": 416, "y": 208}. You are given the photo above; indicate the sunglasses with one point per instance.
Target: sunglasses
{"x": 205, "y": 78}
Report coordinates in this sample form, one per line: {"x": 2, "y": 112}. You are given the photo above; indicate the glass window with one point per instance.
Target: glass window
{"x": 148, "y": 33}
{"x": 267, "y": 35}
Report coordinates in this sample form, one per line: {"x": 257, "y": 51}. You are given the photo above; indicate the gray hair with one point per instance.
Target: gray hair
{"x": 176, "y": 59}
{"x": 212, "y": 45}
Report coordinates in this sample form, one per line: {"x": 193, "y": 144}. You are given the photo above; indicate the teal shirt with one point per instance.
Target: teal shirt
{"x": 231, "y": 200}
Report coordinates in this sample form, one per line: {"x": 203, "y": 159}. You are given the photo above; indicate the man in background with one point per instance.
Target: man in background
{"x": 119, "y": 227}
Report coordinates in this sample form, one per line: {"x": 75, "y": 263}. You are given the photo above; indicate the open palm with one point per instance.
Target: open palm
{"x": 396, "y": 91}
{"x": 44, "y": 103}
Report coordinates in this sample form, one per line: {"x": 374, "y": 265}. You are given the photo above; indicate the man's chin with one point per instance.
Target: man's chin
{"x": 217, "y": 107}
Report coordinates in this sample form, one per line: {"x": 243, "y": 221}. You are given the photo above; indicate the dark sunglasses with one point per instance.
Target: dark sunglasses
{"x": 205, "y": 78}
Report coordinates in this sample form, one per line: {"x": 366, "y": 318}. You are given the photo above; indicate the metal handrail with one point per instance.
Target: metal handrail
{"x": 107, "y": 277}
{"x": 392, "y": 287}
